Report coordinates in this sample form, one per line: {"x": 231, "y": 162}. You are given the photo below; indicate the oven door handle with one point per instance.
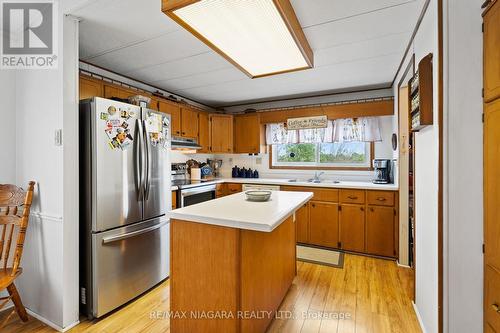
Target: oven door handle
{"x": 194, "y": 191}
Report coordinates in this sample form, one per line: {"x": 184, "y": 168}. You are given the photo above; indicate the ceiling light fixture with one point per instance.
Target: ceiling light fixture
{"x": 260, "y": 37}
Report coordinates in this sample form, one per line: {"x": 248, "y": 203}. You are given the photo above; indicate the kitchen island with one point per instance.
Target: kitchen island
{"x": 232, "y": 262}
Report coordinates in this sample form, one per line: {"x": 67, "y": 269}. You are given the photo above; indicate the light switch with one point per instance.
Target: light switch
{"x": 258, "y": 160}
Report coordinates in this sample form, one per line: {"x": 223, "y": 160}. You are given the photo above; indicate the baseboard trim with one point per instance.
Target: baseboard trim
{"x": 401, "y": 265}
{"x": 422, "y": 327}
{"x": 51, "y": 324}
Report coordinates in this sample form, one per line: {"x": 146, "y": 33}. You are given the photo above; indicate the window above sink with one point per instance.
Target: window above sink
{"x": 335, "y": 156}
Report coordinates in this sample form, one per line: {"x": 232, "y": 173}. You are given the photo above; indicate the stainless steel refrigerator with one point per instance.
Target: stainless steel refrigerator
{"x": 124, "y": 195}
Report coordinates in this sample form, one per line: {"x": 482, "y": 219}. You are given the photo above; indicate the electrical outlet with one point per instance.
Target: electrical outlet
{"x": 58, "y": 137}
{"x": 258, "y": 160}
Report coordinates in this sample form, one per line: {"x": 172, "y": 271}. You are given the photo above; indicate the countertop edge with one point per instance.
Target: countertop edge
{"x": 239, "y": 224}
{"x": 285, "y": 182}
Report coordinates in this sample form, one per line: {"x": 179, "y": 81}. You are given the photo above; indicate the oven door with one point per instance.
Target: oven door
{"x": 192, "y": 196}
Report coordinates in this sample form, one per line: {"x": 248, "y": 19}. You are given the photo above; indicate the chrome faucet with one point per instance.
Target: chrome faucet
{"x": 316, "y": 178}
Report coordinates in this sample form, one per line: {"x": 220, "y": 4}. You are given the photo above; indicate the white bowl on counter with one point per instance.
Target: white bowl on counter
{"x": 258, "y": 195}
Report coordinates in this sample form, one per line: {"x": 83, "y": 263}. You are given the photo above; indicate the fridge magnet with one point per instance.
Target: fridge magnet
{"x": 112, "y": 110}
{"x": 124, "y": 114}
{"x": 113, "y": 123}
{"x": 119, "y": 135}
{"x": 104, "y": 116}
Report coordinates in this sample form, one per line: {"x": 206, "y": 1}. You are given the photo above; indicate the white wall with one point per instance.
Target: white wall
{"x": 8, "y": 127}
{"x": 426, "y": 181}
{"x": 49, "y": 283}
{"x": 463, "y": 223}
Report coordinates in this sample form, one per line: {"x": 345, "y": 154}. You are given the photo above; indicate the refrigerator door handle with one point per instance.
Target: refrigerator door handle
{"x": 147, "y": 173}
{"x": 117, "y": 238}
{"x": 138, "y": 174}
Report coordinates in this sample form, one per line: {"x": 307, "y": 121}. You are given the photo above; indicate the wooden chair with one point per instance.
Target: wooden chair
{"x": 15, "y": 206}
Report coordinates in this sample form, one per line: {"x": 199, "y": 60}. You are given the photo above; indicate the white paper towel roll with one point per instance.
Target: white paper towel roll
{"x": 195, "y": 173}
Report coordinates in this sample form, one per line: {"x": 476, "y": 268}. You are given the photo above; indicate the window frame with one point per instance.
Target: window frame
{"x": 318, "y": 167}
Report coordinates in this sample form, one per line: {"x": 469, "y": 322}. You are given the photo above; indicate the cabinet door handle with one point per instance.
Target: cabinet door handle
{"x": 495, "y": 307}
{"x": 362, "y": 209}
{"x": 372, "y": 210}
{"x": 352, "y": 197}
{"x": 381, "y": 199}
{"x": 313, "y": 205}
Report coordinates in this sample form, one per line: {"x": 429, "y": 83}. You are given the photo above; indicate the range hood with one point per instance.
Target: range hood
{"x": 179, "y": 143}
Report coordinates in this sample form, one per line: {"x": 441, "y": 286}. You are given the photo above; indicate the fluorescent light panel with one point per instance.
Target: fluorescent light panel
{"x": 250, "y": 32}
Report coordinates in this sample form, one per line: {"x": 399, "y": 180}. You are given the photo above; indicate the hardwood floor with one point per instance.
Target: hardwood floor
{"x": 372, "y": 294}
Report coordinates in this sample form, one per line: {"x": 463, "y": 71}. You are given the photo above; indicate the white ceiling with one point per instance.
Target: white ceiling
{"x": 356, "y": 43}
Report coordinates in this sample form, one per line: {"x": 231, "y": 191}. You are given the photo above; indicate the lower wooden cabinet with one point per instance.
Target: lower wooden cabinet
{"x": 174, "y": 199}
{"x": 233, "y": 188}
{"x": 363, "y": 221}
{"x": 352, "y": 227}
{"x": 380, "y": 233}
{"x": 324, "y": 223}
{"x": 302, "y": 224}
{"x": 221, "y": 190}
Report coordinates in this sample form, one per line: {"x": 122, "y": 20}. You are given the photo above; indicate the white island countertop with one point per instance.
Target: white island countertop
{"x": 235, "y": 211}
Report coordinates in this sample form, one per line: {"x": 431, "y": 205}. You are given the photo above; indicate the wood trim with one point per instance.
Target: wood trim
{"x": 488, "y": 7}
{"x": 271, "y": 166}
{"x": 301, "y": 97}
{"x": 408, "y": 47}
{"x": 206, "y": 41}
{"x": 441, "y": 167}
{"x": 337, "y": 111}
{"x": 87, "y": 72}
{"x": 171, "y": 5}
{"x": 289, "y": 18}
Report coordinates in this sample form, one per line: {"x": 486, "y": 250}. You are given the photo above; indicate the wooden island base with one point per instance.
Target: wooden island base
{"x": 227, "y": 279}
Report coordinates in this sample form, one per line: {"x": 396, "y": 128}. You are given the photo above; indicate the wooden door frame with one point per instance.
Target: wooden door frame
{"x": 440, "y": 123}
{"x": 409, "y": 67}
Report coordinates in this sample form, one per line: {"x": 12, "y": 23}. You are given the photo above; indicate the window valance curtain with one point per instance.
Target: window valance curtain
{"x": 365, "y": 129}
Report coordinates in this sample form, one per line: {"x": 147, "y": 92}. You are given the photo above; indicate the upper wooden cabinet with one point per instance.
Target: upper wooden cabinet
{"x": 203, "y": 132}
{"x": 189, "y": 122}
{"x": 492, "y": 184}
{"x": 491, "y": 53}
{"x": 221, "y": 133}
{"x": 111, "y": 91}
{"x": 174, "y": 111}
{"x": 247, "y": 133}
{"x": 153, "y": 105}
{"x": 90, "y": 88}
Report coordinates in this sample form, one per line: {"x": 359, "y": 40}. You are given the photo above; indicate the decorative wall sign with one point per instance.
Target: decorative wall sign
{"x": 307, "y": 123}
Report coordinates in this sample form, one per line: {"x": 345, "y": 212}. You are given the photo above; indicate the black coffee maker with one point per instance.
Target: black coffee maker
{"x": 382, "y": 171}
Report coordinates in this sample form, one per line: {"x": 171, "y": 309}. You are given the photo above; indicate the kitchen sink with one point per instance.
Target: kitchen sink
{"x": 313, "y": 181}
